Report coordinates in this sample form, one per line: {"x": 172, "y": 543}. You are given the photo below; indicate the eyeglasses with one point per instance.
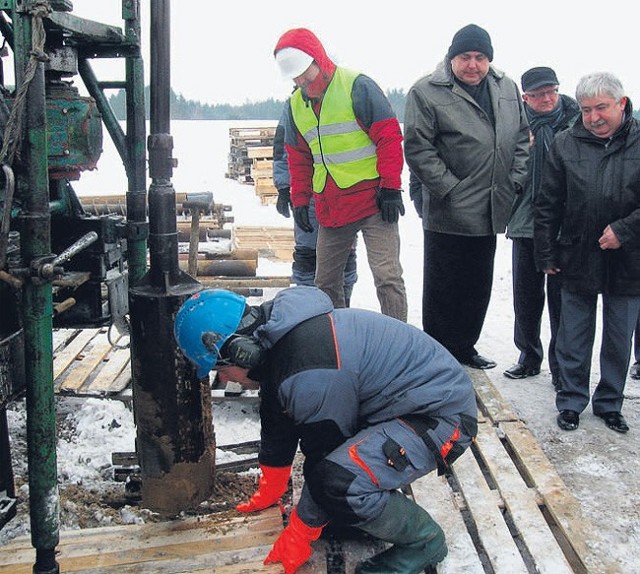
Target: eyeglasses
{"x": 543, "y": 94}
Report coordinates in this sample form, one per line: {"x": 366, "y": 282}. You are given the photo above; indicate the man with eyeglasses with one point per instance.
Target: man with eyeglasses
{"x": 549, "y": 112}
{"x": 587, "y": 230}
{"x": 467, "y": 141}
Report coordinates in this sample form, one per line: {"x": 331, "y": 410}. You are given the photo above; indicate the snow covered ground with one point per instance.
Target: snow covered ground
{"x": 599, "y": 466}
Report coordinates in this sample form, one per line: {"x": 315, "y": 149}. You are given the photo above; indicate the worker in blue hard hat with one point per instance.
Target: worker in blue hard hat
{"x": 374, "y": 403}
{"x": 206, "y": 322}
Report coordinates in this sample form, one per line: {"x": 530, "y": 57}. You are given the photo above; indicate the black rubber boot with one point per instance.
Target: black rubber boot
{"x": 418, "y": 541}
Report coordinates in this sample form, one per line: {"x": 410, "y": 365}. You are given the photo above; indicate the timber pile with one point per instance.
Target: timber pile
{"x": 262, "y": 174}
{"x": 251, "y": 160}
{"x": 241, "y": 140}
{"x": 275, "y": 243}
{"x": 504, "y": 510}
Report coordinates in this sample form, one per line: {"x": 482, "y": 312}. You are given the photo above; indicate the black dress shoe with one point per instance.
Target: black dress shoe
{"x": 479, "y": 362}
{"x": 615, "y": 421}
{"x": 568, "y": 420}
{"x": 634, "y": 372}
{"x": 519, "y": 371}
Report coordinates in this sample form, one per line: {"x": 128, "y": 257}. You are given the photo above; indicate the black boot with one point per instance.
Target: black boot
{"x": 418, "y": 540}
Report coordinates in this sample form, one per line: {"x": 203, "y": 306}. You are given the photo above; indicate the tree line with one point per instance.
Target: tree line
{"x": 184, "y": 109}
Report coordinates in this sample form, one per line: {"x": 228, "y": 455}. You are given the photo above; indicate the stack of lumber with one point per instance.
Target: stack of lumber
{"x": 274, "y": 243}
{"x": 262, "y": 174}
{"x": 241, "y": 140}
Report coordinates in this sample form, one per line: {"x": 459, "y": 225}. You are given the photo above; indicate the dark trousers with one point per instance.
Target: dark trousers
{"x": 528, "y": 305}
{"x": 457, "y": 280}
{"x": 575, "y": 347}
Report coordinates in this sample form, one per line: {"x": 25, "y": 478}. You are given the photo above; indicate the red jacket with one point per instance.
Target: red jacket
{"x": 336, "y": 207}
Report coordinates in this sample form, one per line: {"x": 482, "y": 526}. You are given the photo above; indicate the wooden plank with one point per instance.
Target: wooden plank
{"x": 94, "y": 355}
{"x": 260, "y": 152}
{"x": 108, "y": 379}
{"x": 522, "y": 505}
{"x": 558, "y": 501}
{"x": 484, "y": 505}
{"x": 196, "y": 544}
{"x": 257, "y": 282}
{"x": 490, "y": 401}
{"x": 70, "y": 353}
{"x": 61, "y": 338}
{"x": 434, "y": 494}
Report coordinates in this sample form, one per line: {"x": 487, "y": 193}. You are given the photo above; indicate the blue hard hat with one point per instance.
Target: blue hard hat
{"x": 217, "y": 313}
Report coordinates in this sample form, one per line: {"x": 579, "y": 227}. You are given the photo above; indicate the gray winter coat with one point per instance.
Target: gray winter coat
{"x": 467, "y": 166}
{"x": 330, "y": 373}
{"x": 587, "y": 184}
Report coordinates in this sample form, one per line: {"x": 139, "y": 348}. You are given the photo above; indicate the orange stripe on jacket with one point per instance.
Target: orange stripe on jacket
{"x": 335, "y": 340}
{"x": 355, "y": 457}
{"x": 448, "y": 445}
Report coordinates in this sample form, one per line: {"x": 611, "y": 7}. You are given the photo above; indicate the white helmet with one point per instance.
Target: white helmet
{"x": 292, "y": 62}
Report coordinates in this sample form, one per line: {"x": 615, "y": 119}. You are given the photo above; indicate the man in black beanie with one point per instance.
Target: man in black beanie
{"x": 467, "y": 140}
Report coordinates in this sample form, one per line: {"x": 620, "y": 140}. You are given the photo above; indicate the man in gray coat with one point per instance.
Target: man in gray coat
{"x": 467, "y": 140}
{"x": 587, "y": 229}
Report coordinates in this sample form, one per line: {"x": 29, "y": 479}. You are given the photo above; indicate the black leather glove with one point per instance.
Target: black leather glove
{"x": 284, "y": 201}
{"x": 301, "y": 217}
{"x": 390, "y": 204}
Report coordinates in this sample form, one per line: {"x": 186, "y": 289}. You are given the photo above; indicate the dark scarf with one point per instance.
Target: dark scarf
{"x": 544, "y": 127}
{"x": 480, "y": 94}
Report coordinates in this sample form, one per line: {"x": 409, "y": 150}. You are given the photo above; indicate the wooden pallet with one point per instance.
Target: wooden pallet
{"x": 245, "y": 146}
{"x": 519, "y": 514}
{"x": 504, "y": 510}
{"x": 266, "y": 191}
{"x": 86, "y": 363}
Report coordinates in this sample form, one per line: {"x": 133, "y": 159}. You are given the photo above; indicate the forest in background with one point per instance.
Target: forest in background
{"x": 183, "y": 109}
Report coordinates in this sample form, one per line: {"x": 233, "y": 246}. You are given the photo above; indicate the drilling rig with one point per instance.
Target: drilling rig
{"x": 61, "y": 266}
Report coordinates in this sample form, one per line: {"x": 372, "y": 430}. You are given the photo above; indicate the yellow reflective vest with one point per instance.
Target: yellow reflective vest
{"x": 338, "y": 143}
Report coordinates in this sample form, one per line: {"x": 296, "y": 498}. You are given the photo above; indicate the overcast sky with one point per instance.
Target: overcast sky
{"x": 225, "y": 54}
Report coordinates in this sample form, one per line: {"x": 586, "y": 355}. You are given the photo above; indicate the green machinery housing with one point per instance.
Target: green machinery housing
{"x": 63, "y": 267}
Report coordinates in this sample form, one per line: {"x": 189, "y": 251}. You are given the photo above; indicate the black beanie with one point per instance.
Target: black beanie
{"x": 471, "y": 38}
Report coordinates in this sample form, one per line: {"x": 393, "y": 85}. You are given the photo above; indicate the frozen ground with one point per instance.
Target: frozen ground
{"x": 599, "y": 466}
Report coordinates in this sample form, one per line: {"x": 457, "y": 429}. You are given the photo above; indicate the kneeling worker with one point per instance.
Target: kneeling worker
{"x": 374, "y": 403}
